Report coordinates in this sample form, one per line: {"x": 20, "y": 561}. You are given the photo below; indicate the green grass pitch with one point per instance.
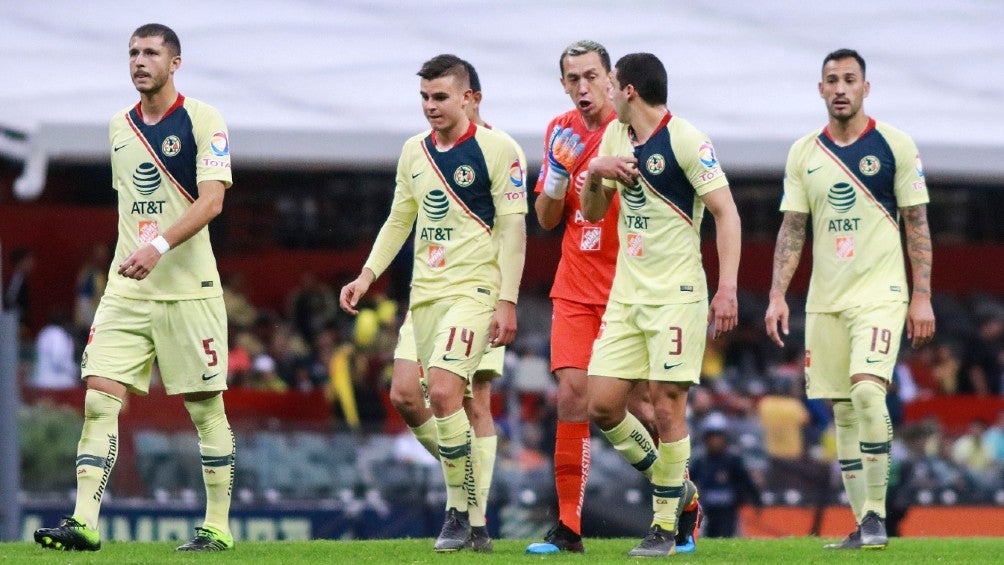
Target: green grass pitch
{"x": 511, "y": 552}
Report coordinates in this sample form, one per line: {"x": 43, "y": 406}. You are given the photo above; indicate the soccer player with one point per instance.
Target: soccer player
{"x": 462, "y": 188}
{"x": 656, "y": 321}
{"x": 855, "y": 177}
{"x": 170, "y": 166}
{"x": 408, "y": 398}
{"x": 582, "y": 282}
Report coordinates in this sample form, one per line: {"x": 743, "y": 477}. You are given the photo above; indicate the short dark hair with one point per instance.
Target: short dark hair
{"x": 162, "y": 31}
{"x": 581, "y": 47}
{"x": 843, "y": 54}
{"x": 647, "y": 74}
{"x": 472, "y": 74}
{"x": 445, "y": 65}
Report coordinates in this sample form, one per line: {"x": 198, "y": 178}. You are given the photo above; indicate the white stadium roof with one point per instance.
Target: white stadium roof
{"x": 318, "y": 83}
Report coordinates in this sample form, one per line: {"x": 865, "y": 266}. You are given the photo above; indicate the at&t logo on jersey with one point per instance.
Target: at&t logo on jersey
{"x": 219, "y": 144}
{"x": 656, "y": 164}
{"x": 146, "y": 179}
{"x": 634, "y": 196}
{"x": 841, "y": 197}
{"x": 463, "y": 176}
{"x": 171, "y": 146}
{"x": 869, "y": 165}
{"x": 436, "y": 205}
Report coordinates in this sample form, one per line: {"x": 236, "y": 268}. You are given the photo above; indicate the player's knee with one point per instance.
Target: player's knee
{"x": 867, "y": 395}
{"x": 404, "y": 401}
{"x": 603, "y": 414}
{"x": 208, "y": 412}
{"x": 844, "y": 415}
{"x": 100, "y": 405}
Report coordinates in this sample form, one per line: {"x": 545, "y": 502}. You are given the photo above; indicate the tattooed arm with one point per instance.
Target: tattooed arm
{"x": 920, "y": 316}
{"x": 787, "y": 254}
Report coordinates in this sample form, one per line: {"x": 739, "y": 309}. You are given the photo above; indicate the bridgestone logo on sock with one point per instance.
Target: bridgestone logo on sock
{"x": 113, "y": 449}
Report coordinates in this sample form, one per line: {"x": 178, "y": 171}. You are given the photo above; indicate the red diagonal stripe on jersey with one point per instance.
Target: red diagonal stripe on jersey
{"x": 160, "y": 165}
{"x": 666, "y": 200}
{"x": 449, "y": 190}
{"x": 857, "y": 182}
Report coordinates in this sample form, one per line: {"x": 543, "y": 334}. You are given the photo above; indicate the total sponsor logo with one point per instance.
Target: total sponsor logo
{"x": 516, "y": 174}
{"x": 216, "y": 163}
{"x": 706, "y": 153}
{"x": 219, "y": 144}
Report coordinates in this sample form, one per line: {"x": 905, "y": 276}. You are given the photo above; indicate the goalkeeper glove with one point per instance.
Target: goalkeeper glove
{"x": 562, "y": 151}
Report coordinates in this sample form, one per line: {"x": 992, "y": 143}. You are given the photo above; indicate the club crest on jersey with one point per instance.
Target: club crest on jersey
{"x": 463, "y": 176}
{"x": 171, "y": 146}
{"x": 219, "y": 143}
{"x": 706, "y": 153}
{"x": 869, "y": 165}
{"x": 841, "y": 197}
{"x": 515, "y": 174}
{"x": 146, "y": 178}
{"x": 436, "y": 205}
{"x": 656, "y": 164}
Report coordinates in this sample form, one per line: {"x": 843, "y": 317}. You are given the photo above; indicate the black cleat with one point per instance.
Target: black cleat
{"x": 71, "y": 535}
{"x": 208, "y": 539}
{"x": 689, "y": 519}
{"x": 658, "y": 543}
{"x": 559, "y": 538}
{"x": 479, "y": 540}
{"x": 456, "y": 530}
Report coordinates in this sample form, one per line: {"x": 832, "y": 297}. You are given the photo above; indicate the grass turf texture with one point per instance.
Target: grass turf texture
{"x": 509, "y": 552}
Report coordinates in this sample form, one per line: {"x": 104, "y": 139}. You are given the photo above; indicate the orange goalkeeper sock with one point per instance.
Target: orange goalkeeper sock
{"x": 571, "y": 469}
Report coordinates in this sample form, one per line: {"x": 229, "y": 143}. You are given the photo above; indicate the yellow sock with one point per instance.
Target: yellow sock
{"x": 634, "y": 443}
{"x": 849, "y": 456}
{"x": 96, "y": 453}
{"x": 427, "y": 435}
{"x": 484, "y": 449}
{"x": 667, "y": 482}
{"x": 454, "y": 433}
{"x": 875, "y": 433}
{"x": 218, "y": 449}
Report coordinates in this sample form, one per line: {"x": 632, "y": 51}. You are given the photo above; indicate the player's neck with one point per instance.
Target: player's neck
{"x": 596, "y": 120}
{"x": 645, "y": 120}
{"x": 846, "y": 132}
{"x": 155, "y": 105}
{"x": 446, "y": 139}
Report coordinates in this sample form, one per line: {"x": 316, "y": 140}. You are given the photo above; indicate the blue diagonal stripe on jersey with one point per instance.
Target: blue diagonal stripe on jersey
{"x": 476, "y": 199}
{"x": 671, "y": 185}
{"x": 880, "y": 187}
{"x": 91, "y": 460}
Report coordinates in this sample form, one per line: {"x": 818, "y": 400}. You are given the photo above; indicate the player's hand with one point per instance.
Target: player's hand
{"x": 920, "y": 320}
{"x": 140, "y": 263}
{"x": 623, "y": 169}
{"x": 502, "y": 330}
{"x": 563, "y": 149}
{"x": 777, "y": 311}
{"x": 724, "y": 311}
{"x": 352, "y": 292}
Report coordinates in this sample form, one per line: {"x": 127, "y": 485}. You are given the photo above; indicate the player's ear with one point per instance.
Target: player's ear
{"x": 821, "y": 95}
{"x": 868, "y": 88}
{"x": 175, "y": 63}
